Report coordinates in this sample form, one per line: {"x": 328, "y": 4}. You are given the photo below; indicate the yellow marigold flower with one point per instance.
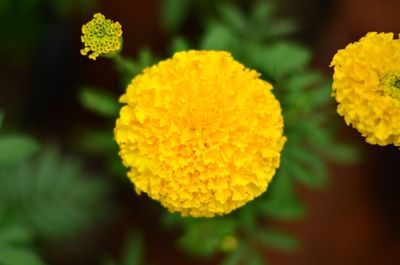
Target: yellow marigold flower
{"x": 366, "y": 84}
{"x": 101, "y": 36}
{"x": 201, "y": 133}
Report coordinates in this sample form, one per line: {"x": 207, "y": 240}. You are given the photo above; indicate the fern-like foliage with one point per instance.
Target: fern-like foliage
{"x": 52, "y": 196}
{"x": 15, "y": 244}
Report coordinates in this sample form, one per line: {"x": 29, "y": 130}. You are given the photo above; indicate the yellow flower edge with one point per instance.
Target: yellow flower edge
{"x": 366, "y": 84}
{"x": 101, "y": 37}
{"x": 200, "y": 133}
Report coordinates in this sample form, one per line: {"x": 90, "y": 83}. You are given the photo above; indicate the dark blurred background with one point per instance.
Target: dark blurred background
{"x": 355, "y": 220}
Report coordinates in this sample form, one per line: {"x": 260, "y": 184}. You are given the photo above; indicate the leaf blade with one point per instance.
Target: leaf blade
{"x": 15, "y": 148}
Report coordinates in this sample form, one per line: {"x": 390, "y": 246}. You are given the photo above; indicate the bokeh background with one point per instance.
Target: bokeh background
{"x": 352, "y": 220}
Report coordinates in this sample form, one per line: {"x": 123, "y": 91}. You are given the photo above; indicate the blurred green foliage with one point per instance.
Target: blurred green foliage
{"x": 16, "y": 243}
{"x": 15, "y": 148}
{"x": 43, "y": 196}
{"x": 54, "y": 198}
{"x": 173, "y": 13}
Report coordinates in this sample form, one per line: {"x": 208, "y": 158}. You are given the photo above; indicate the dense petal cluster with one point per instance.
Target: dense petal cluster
{"x": 101, "y": 36}
{"x": 366, "y": 84}
{"x": 201, "y": 133}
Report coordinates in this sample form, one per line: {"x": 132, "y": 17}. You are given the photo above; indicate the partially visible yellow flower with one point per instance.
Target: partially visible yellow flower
{"x": 201, "y": 133}
{"x": 101, "y": 36}
{"x": 366, "y": 84}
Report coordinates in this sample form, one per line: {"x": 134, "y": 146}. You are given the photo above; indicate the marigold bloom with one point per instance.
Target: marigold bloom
{"x": 201, "y": 133}
{"x": 101, "y": 36}
{"x": 366, "y": 84}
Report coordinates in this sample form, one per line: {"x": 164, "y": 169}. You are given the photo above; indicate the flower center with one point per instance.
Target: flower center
{"x": 391, "y": 85}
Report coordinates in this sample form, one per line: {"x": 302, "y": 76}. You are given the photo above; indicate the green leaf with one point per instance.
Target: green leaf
{"x": 262, "y": 14}
{"x": 14, "y": 234}
{"x": 262, "y": 11}
{"x": 232, "y": 17}
{"x": 321, "y": 137}
{"x": 283, "y": 58}
{"x": 305, "y": 176}
{"x": 281, "y": 28}
{"x": 247, "y": 217}
{"x": 173, "y": 13}
{"x": 14, "y": 240}
{"x": 317, "y": 130}
{"x": 284, "y": 209}
{"x": 320, "y": 96}
{"x": 15, "y": 148}
{"x": 145, "y": 58}
{"x": 217, "y": 37}
{"x": 171, "y": 220}
{"x": 179, "y": 44}
{"x": 18, "y": 256}
{"x": 279, "y": 201}
{"x": 134, "y": 249}
{"x": 99, "y": 102}
{"x": 312, "y": 163}
{"x": 302, "y": 81}
{"x": 52, "y": 196}
{"x": 129, "y": 67}
{"x": 277, "y": 240}
{"x": 343, "y": 153}
{"x": 250, "y": 53}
